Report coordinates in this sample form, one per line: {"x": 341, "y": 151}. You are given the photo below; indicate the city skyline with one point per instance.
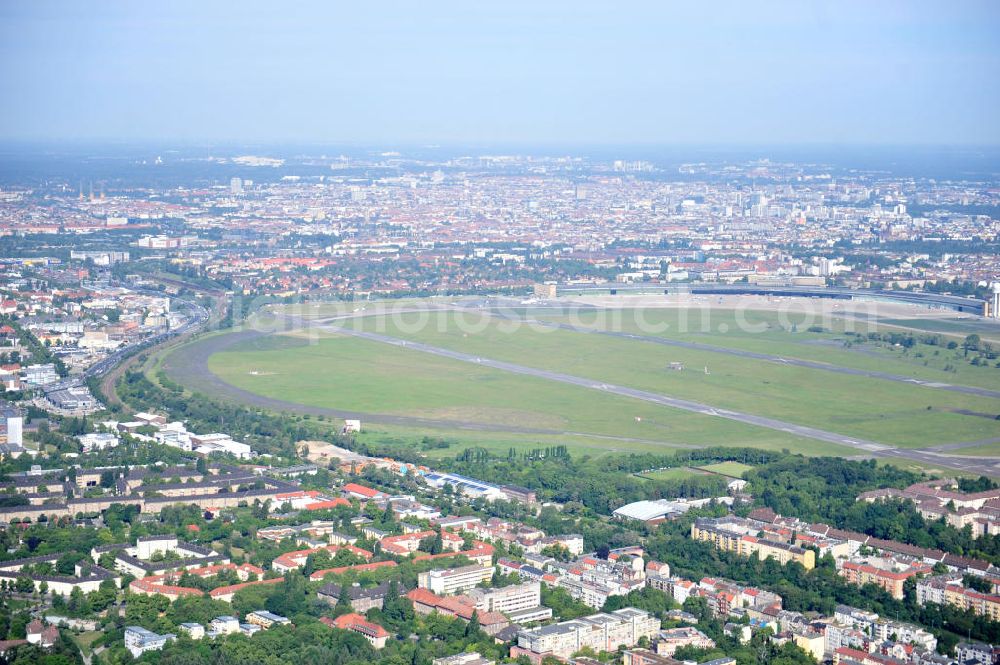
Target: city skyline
{"x": 774, "y": 73}
{"x": 500, "y": 333}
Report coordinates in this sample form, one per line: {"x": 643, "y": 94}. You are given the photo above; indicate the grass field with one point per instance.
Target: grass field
{"x": 986, "y": 450}
{"x": 679, "y": 473}
{"x": 580, "y": 444}
{"x": 85, "y": 641}
{"x": 884, "y": 411}
{"x": 353, "y": 374}
{"x": 771, "y": 332}
{"x": 356, "y": 374}
{"x": 733, "y": 469}
{"x": 957, "y": 327}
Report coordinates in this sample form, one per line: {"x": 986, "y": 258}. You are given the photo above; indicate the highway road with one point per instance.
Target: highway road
{"x": 197, "y": 317}
{"x": 781, "y": 360}
{"x": 868, "y": 448}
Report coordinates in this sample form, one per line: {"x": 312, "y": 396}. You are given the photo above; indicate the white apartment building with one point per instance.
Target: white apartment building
{"x": 600, "y": 632}
{"x": 587, "y": 592}
{"x": 13, "y": 425}
{"x": 224, "y": 625}
{"x": 513, "y": 598}
{"x": 454, "y": 580}
{"x": 148, "y": 546}
{"x": 97, "y": 441}
{"x": 139, "y": 640}
{"x": 195, "y": 631}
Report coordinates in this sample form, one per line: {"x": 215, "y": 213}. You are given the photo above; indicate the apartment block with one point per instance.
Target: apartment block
{"x": 454, "y": 580}
{"x": 600, "y": 632}
{"x": 733, "y": 534}
{"x": 513, "y": 598}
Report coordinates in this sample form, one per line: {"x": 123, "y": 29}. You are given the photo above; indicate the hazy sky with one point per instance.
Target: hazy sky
{"x": 748, "y": 72}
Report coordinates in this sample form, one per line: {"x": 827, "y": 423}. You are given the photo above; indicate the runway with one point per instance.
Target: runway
{"x": 767, "y": 357}
{"x": 869, "y": 448}
{"x": 193, "y": 368}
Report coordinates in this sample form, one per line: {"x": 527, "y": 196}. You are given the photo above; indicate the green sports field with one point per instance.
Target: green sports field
{"x": 680, "y": 473}
{"x": 733, "y": 469}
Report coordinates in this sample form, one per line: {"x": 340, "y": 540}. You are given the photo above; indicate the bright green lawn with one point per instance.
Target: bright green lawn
{"x": 499, "y": 443}
{"x": 986, "y": 450}
{"x": 958, "y": 327}
{"x": 680, "y": 473}
{"x": 734, "y": 469}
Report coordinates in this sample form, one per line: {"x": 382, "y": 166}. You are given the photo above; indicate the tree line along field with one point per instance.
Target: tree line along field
{"x": 894, "y": 413}
{"x": 368, "y": 377}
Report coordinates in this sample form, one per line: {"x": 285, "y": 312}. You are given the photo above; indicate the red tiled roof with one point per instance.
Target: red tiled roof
{"x": 165, "y": 589}
{"x": 361, "y": 490}
{"x": 288, "y": 559}
{"x": 297, "y": 494}
{"x": 424, "y": 597}
{"x": 332, "y": 503}
{"x": 358, "y": 623}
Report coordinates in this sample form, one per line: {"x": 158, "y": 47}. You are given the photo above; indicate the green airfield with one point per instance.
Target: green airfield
{"x": 349, "y": 373}
{"x": 986, "y": 450}
{"x": 770, "y": 332}
{"x": 883, "y": 411}
{"x": 365, "y": 376}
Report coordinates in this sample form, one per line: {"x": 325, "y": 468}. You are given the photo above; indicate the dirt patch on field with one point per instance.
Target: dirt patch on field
{"x": 318, "y": 452}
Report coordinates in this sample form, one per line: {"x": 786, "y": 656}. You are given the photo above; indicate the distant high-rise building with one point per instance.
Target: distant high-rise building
{"x": 991, "y": 307}
{"x": 11, "y": 422}
{"x": 758, "y": 205}
{"x": 236, "y": 186}
{"x": 625, "y": 166}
